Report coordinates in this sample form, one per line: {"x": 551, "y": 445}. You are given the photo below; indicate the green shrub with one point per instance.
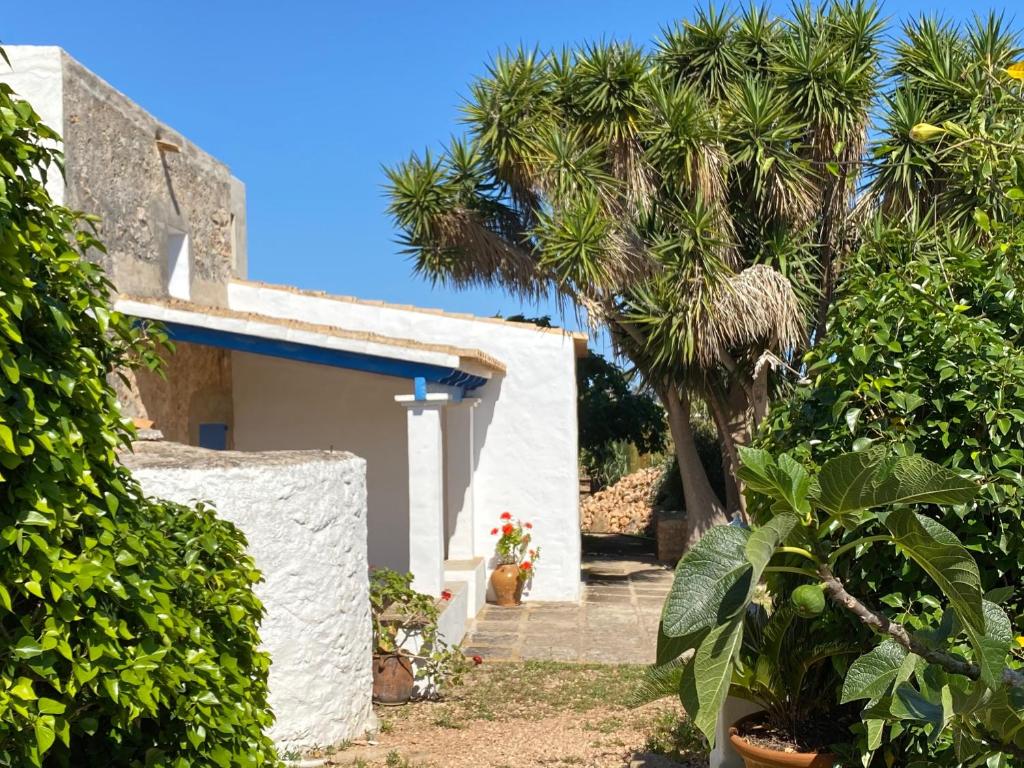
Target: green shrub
{"x": 128, "y": 627}
{"x": 924, "y": 351}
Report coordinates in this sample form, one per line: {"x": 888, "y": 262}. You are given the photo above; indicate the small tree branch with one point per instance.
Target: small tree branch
{"x": 882, "y": 624}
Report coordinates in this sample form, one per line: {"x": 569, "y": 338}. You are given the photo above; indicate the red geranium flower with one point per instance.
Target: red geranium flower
{"x": 446, "y": 595}
{"x": 478, "y": 660}
{"x": 527, "y": 565}
{"x": 527, "y": 525}
{"x": 506, "y": 515}
{"x": 507, "y": 529}
{"x": 494, "y": 531}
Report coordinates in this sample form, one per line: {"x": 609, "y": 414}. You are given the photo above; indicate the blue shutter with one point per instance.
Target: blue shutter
{"x": 214, "y": 436}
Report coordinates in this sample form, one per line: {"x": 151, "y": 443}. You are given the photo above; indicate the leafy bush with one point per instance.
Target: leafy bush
{"x": 128, "y": 627}
{"x": 925, "y": 352}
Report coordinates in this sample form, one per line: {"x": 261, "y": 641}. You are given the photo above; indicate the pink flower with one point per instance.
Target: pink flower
{"x": 446, "y": 595}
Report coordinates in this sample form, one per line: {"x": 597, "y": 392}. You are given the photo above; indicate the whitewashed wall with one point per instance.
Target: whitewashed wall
{"x": 36, "y": 75}
{"x": 525, "y": 425}
{"x": 304, "y": 514}
{"x": 282, "y": 404}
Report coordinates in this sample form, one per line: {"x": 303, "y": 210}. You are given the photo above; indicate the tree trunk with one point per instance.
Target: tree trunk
{"x": 733, "y": 421}
{"x": 704, "y": 510}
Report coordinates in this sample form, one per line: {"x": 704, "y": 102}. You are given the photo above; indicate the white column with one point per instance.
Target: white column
{"x": 426, "y": 490}
{"x": 459, "y": 457}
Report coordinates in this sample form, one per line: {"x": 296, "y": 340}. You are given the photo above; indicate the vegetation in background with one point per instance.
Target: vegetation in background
{"x": 618, "y": 422}
{"x": 612, "y": 417}
{"x": 693, "y": 200}
{"x": 128, "y": 626}
{"x": 668, "y": 493}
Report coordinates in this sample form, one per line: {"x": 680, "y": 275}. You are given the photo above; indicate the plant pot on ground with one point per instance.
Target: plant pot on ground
{"x": 406, "y": 645}
{"x": 393, "y": 678}
{"x": 507, "y": 586}
{"x": 516, "y": 560}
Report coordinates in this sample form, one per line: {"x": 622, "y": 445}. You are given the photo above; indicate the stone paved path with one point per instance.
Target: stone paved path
{"x": 616, "y": 621}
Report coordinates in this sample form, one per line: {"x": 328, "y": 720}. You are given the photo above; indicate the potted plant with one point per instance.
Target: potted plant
{"x": 516, "y": 559}
{"x": 790, "y": 665}
{"x": 406, "y": 645}
{"x": 945, "y": 674}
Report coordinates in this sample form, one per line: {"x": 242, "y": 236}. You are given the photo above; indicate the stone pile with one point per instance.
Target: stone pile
{"x": 624, "y": 507}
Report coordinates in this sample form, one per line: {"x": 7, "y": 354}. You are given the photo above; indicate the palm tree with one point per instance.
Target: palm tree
{"x": 694, "y": 200}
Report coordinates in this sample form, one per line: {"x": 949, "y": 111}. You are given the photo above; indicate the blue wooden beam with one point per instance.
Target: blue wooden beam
{"x": 336, "y": 358}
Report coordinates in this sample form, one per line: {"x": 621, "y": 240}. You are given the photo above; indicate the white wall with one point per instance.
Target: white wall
{"x": 304, "y": 515}
{"x": 525, "y": 423}
{"x": 282, "y": 404}
{"x": 36, "y": 75}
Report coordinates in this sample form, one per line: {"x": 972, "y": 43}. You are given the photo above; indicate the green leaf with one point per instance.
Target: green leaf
{"x": 763, "y": 543}
{"x": 51, "y": 706}
{"x": 27, "y": 647}
{"x": 909, "y": 704}
{"x": 871, "y": 676}
{"x": 941, "y": 555}
{"x": 23, "y": 689}
{"x": 782, "y": 479}
{"x": 7, "y": 439}
{"x": 706, "y": 678}
{"x": 45, "y": 735}
{"x": 711, "y": 581}
{"x": 992, "y": 646}
{"x": 866, "y": 479}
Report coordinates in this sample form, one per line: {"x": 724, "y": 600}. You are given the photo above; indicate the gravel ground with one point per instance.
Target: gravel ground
{"x": 518, "y": 715}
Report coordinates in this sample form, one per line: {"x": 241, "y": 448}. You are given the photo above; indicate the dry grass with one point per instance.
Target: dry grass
{"x": 530, "y": 714}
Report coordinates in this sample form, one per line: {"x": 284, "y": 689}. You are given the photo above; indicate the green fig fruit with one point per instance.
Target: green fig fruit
{"x": 809, "y": 600}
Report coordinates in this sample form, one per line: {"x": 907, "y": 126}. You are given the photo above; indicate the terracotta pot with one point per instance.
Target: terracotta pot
{"x": 392, "y": 678}
{"x": 507, "y": 586}
{"x": 759, "y": 757}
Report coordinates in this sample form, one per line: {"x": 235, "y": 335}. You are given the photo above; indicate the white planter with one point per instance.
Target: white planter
{"x": 723, "y": 755}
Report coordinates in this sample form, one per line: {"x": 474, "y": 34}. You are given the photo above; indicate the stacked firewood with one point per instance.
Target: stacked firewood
{"x": 624, "y": 507}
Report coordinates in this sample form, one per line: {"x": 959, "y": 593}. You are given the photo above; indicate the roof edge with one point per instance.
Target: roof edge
{"x": 575, "y": 335}
{"x": 475, "y": 358}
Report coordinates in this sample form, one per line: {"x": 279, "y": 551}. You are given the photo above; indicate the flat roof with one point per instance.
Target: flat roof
{"x": 579, "y": 338}
{"x": 309, "y": 342}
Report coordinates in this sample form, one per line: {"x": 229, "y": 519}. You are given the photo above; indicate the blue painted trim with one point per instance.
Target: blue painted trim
{"x": 336, "y": 358}
{"x": 214, "y": 436}
{"x": 419, "y": 388}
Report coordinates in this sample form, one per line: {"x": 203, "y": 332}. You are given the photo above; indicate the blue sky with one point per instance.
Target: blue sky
{"x": 306, "y": 100}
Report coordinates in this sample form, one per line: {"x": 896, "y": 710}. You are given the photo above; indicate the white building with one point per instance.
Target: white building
{"x": 459, "y": 418}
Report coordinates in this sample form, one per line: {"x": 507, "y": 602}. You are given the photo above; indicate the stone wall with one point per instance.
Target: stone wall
{"x": 144, "y": 196}
{"x": 195, "y": 388}
{"x": 304, "y": 514}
